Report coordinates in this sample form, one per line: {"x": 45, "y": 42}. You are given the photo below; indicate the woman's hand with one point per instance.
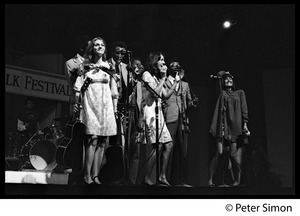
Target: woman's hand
{"x": 177, "y": 78}
{"x": 246, "y": 131}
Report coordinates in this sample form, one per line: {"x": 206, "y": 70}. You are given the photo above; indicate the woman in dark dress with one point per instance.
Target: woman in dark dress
{"x": 229, "y": 122}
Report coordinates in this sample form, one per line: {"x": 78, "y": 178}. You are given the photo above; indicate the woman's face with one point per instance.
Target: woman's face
{"x": 99, "y": 47}
{"x": 161, "y": 64}
{"x": 228, "y": 81}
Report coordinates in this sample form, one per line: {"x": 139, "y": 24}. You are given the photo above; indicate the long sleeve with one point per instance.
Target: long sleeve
{"x": 244, "y": 107}
{"x": 78, "y": 83}
{"x": 189, "y": 97}
{"x": 114, "y": 88}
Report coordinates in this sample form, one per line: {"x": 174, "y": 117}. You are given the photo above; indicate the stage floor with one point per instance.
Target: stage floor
{"x": 117, "y": 191}
{"x": 30, "y": 183}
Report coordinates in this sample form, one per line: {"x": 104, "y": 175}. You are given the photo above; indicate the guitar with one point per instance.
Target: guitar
{"x": 70, "y": 150}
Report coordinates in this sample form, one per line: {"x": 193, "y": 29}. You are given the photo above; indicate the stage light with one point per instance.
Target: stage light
{"x": 227, "y": 24}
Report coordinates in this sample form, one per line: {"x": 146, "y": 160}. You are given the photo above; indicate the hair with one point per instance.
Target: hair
{"x": 89, "y": 55}
{"x": 118, "y": 44}
{"x": 135, "y": 59}
{"x": 151, "y": 64}
{"x": 29, "y": 99}
{"x": 223, "y": 82}
{"x": 173, "y": 60}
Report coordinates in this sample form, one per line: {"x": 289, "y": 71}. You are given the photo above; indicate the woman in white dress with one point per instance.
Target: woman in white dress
{"x": 154, "y": 78}
{"x": 99, "y": 104}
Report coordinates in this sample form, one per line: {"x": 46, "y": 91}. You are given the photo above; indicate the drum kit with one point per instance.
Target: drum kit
{"x": 40, "y": 150}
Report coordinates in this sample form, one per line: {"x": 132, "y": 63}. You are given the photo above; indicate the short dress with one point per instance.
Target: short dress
{"x": 148, "y": 112}
{"x": 97, "y": 111}
{"x": 235, "y": 116}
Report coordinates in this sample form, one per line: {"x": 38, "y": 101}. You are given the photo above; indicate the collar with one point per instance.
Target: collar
{"x": 114, "y": 62}
{"x": 172, "y": 79}
{"x": 79, "y": 57}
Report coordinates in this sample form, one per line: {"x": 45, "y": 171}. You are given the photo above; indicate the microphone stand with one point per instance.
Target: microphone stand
{"x": 127, "y": 131}
{"x": 156, "y": 96}
{"x": 126, "y": 148}
{"x": 185, "y": 130}
{"x": 223, "y": 116}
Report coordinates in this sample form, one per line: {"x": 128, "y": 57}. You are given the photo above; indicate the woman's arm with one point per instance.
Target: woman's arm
{"x": 244, "y": 112}
{"x": 114, "y": 93}
{"x": 150, "y": 81}
{"x": 168, "y": 92}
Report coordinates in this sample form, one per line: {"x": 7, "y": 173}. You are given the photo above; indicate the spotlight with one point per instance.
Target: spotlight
{"x": 227, "y": 24}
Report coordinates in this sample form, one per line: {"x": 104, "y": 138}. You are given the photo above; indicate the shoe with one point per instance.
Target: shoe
{"x": 146, "y": 183}
{"x": 211, "y": 185}
{"x": 86, "y": 183}
{"x": 184, "y": 185}
{"x": 96, "y": 180}
{"x": 236, "y": 183}
{"x": 164, "y": 183}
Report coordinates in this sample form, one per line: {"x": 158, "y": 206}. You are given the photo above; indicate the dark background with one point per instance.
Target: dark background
{"x": 261, "y": 42}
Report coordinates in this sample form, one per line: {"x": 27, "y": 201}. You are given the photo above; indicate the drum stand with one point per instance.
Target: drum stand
{"x": 27, "y": 161}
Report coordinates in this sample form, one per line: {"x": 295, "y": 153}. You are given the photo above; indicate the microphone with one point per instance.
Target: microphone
{"x": 215, "y": 77}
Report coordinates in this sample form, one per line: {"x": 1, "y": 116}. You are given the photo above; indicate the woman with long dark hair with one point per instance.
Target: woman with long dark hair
{"x": 154, "y": 78}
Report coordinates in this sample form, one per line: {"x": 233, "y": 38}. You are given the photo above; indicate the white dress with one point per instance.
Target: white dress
{"x": 149, "y": 115}
{"x": 97, "y": 111}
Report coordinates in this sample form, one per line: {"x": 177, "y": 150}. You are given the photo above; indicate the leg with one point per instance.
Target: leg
{"x": 164, "y": 162}
{"x": 99, "y": 153}
{"x": 184, "y": 158}
{"x": 150, "y": 165}
{"x": 236, "y": 161}
{"x": 133, "y": 151}
{"x": 134, "y": 162}
{"x": 214, "y": 163}
{"x": 172, "y": 172}
{"x": 89, "y": 158}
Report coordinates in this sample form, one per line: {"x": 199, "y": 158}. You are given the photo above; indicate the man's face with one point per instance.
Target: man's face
{"x": 84, "y": 46}
{"x": 137, "y": 66}
{"x": 174, "y": 66}
{"x": 30, "y": 104}
{"x": 119, "y": 54}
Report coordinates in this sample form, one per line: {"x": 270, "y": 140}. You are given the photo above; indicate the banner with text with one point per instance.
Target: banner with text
{"x": 36, "y": 83}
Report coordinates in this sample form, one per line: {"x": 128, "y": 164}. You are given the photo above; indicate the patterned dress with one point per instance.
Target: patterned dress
{"x": 97, "y": 105}
{"x": 148, "y": 110}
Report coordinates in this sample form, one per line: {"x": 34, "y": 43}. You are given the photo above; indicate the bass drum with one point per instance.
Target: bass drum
{"x": 42, "y": 155}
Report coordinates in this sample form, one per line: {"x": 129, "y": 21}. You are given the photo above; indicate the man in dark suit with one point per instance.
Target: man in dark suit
{"x": 176, "y": 118}
{"x": 125, "y": 88}
{"x": 71, "y": 72}
{"x": 119, "y": 50}
{"x": 72, "y": 66}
